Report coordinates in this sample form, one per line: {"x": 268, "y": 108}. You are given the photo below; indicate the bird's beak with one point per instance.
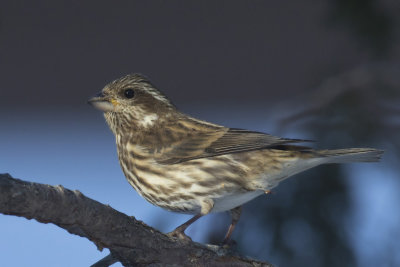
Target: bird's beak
{"x": 100, "y": 101}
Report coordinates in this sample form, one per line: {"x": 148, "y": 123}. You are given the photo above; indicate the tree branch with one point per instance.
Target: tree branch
{"x": 131, "y": 242}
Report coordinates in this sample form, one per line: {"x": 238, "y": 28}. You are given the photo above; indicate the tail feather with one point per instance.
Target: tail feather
{"x": 349, "y": 155}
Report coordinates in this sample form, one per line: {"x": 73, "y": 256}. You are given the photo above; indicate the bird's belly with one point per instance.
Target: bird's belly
{"x": 232, "y": 201}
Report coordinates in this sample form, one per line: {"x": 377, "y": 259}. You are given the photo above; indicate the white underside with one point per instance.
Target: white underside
{"x": 233, "y": 201}
{"x": 268, "y": 182}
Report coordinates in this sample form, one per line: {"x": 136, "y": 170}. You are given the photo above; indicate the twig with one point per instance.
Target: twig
{"x": 106, "y": 261}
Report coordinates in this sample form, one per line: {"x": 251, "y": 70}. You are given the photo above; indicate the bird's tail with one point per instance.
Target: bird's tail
{"x": 349, "y": 155}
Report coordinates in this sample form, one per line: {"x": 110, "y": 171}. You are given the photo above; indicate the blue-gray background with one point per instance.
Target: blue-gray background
{"x": 325, "y": 70}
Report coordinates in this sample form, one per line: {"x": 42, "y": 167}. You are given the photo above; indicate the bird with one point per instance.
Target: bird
{"x": 186, "y": 165}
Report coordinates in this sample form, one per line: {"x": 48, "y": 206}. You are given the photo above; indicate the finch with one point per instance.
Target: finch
{"x": 191, "y": 166}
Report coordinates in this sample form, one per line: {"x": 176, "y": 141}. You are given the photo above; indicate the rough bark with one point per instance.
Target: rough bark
{"x": 130, "y": 241}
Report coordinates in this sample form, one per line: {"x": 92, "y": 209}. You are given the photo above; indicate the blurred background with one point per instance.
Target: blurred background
{"x": 323, "y": 70}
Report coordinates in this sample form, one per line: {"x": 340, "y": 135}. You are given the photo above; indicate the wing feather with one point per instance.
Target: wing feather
{"x": 221, "y": 142}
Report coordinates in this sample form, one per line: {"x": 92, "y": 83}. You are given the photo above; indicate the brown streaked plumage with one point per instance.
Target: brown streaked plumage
{"x": 187, "y": 165}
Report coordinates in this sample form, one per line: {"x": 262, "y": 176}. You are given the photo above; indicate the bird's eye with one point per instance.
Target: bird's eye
{"x": 129, "y": 93}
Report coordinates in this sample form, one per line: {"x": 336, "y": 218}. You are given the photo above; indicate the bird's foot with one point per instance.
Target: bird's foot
{"x": 228, "y": 243}
{"x": 179, "y": 234}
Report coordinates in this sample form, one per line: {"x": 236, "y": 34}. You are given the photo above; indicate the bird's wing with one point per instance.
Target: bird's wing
{"x": 221, "y": 142}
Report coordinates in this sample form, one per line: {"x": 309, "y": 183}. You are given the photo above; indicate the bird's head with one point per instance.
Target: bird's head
{"x": 131, "y": 102}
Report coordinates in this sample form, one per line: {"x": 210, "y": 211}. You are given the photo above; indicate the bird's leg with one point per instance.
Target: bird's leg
{"x": 179, "y": 231}
{"x": 235, "y": 213}
{"x": 206, "y": 207}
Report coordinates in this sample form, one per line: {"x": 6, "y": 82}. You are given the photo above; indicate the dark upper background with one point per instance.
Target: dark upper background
{"x": 241, "y": 63}
{"x": 57, "y": 53}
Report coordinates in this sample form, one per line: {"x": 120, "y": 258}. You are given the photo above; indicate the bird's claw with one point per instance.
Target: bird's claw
{"x": 180, "y": 235}
{"x": 228, "y": 243}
